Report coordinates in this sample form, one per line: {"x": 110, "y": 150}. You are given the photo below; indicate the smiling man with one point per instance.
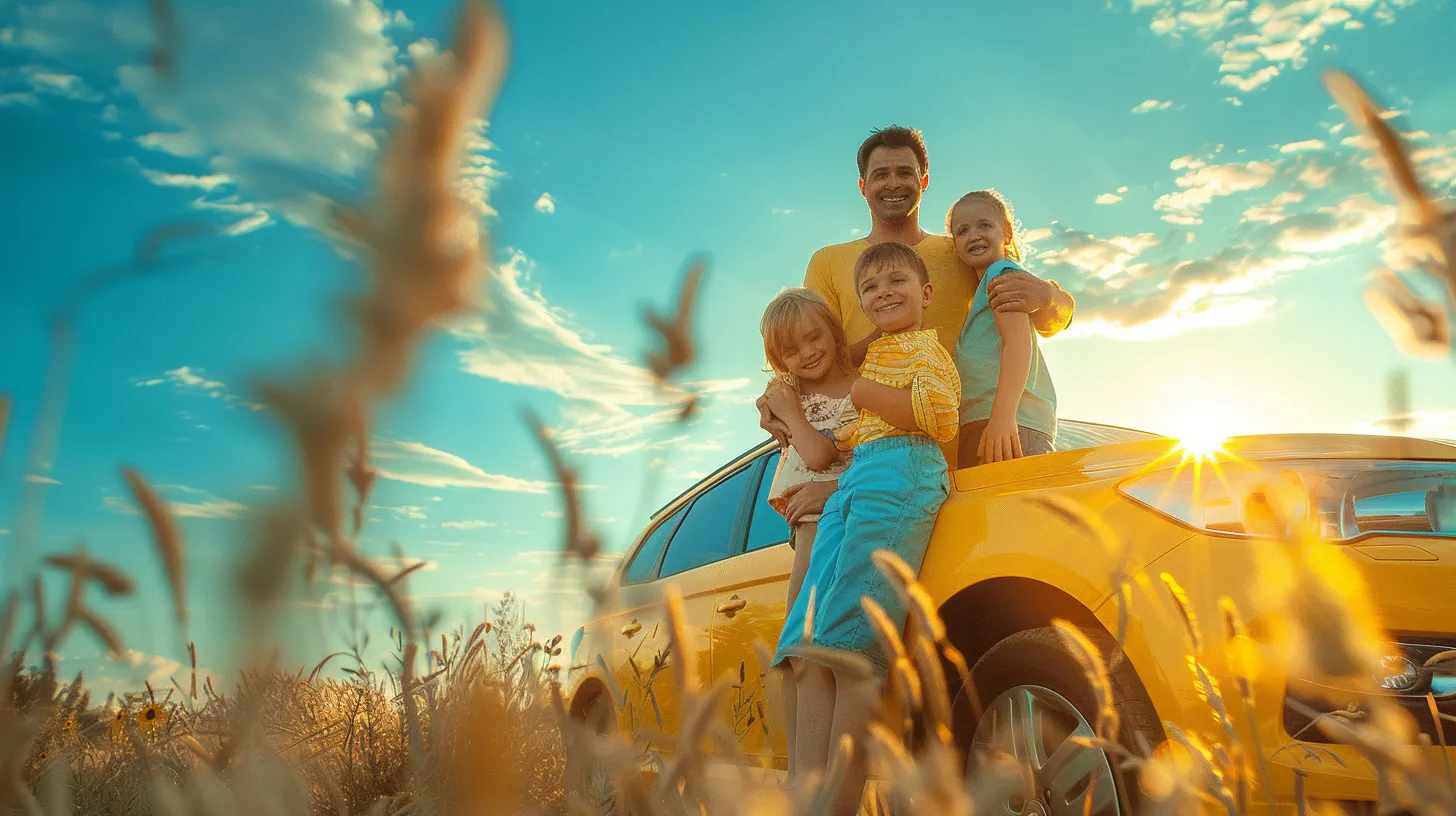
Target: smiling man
{"x": 894, "y": 171}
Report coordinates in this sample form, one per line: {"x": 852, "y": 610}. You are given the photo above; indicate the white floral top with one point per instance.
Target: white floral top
{"x": 829, "y": 416}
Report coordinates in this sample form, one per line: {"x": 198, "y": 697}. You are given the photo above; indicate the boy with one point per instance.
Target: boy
{"x": 908, "y": 393}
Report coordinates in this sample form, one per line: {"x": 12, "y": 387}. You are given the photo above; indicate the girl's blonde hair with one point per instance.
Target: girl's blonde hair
{"x": 1008, "y": 215}
{"x": 786, "y": 310}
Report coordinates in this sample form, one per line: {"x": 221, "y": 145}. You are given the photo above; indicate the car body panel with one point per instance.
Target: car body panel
{"x": 752, "y": 708}
{"x": 997, "y": 524}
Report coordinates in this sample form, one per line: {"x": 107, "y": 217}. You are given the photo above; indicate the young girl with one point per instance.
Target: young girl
{"x": 805, "y": 347}
{"x": 1008, "y": 405}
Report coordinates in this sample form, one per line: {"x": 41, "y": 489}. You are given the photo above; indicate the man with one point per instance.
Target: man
{"x": 894, "y": 171}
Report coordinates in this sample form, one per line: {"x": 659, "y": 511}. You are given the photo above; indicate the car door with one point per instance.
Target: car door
{"x": 750, "y": 608}
{"x": 696, "y": 539}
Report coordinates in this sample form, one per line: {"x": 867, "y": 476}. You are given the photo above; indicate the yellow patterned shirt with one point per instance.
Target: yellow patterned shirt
{"x": 917, "y": 361}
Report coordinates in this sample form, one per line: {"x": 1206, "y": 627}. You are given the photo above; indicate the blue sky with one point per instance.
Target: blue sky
{"x": 1176, "y": 164}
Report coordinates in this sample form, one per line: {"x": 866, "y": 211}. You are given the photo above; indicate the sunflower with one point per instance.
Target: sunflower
{"x": 68, "y": 726}
{"x": 151, "y": 717}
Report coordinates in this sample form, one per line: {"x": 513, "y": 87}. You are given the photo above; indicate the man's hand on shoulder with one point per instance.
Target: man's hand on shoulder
{"x": 1048, "y": 304}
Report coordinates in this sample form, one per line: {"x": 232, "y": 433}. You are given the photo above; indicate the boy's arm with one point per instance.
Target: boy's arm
{"x": 894, "y": 405}
{"x": 1015, "y": 328}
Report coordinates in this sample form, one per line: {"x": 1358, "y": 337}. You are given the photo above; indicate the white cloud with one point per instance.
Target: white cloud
{"x": 45, "y": 81}
{"x": 18, "y": 98}
{"x": 1152, "y": 105}
{"x": 1256, "y": 41}
{"x": 468, "y": 525}
{"x": 1355, "y": 220}
{"x": 419, "y": 464}
{"x": 783, "y": 211}
{"x": 186, "y": 378}
{"x": 1202, "y": 182}
{"x": 1108, "y": 198}
{"x": 190, "y": 502}
{"x": 546, "y": 204}
{"x": 1307, "y": 144}
{"x": 408, "y": 511}
{"x": 1103, "y": 258}
{"x": 257, "y": 101}
{"x": 36, "y": 478}
{"x": 208, "y": 182}
{"x": 1252, "y": 81}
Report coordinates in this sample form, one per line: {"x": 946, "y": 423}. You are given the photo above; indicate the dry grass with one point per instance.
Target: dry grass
{"x": 474, "y": 722}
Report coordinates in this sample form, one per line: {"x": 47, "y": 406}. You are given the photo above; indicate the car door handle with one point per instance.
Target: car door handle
{"x": 632, "y": 628}
{"x": 732, "y": 606}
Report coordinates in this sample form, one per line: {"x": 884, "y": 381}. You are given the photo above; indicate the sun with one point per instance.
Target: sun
{"x": 1202, "y": 443}
{"x": 1201, "y": 430}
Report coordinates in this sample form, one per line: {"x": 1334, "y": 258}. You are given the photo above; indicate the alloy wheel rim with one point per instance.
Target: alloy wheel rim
{"x": 1043, "y": 732}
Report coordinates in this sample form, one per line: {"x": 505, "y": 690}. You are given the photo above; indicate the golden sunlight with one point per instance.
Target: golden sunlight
{"x": 1201, "y": 429}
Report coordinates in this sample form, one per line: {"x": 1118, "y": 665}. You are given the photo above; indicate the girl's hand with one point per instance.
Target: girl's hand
{"x": 783, "y": 400}
{"x": 1000, "y": 441}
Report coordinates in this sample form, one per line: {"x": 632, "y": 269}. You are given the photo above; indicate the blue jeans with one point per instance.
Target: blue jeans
{"x": 887, "y": 499}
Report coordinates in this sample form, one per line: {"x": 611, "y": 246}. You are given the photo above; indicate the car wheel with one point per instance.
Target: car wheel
{"x": 1038, "y": 707}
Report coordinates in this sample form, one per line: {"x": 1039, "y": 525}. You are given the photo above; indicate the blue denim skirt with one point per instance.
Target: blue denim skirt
{"x": 887, "y": 500}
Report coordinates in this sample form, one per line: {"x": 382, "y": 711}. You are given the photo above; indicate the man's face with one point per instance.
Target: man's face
{"x": 893, "y": 297}
{"x": 893, "y": 183}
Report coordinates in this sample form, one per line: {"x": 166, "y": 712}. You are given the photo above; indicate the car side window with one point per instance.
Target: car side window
{"x": 706, "y": 535}
{"x": 766, "y": 527}
{"x": 641, "y": 567}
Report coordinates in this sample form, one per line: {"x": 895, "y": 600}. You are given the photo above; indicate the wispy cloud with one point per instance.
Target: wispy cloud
{"x": 468, "y": 525}
{"x": 1202, "y": 182}
{"x": 1307, "y": 144}
{"x": 40, "y": 80}
{"x": 1152, "y": 105}
{"x": 184, "y": 502}
{"x": 251, "y": 100}
{"x": 420, "y": 464}
{"x": 191, "y": 380}
{"x": 1255, "y": 41}
{"x": 522, "y": 340}
{"x": 36, "y": 478}
{"x": 1112, "y": 198}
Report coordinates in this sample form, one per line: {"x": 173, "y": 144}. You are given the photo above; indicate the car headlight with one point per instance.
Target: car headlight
{"x": 1338, "y": 499}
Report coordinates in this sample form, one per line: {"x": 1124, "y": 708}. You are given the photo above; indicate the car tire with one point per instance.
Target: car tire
{"x": 1033, "y": 677}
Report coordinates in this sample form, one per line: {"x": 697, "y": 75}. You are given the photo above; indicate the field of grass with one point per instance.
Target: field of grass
{"x": 472, "y": 720}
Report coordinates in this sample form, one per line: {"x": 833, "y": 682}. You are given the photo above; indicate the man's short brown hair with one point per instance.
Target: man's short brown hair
{"x": 893, "y": 136}
{"x": 892, "y": 254}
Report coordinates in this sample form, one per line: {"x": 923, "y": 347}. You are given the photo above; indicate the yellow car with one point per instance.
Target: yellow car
{"x": 1001, "y": 568}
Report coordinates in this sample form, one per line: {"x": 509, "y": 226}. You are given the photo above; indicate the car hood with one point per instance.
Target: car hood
{"x": 1131, "y": 456}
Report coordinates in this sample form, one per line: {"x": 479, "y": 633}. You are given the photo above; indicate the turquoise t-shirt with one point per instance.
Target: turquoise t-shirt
{"x": 978, "y": 358}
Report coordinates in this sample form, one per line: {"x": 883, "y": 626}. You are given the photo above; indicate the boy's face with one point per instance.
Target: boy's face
{"x": 893, "y": 297}
{"x": 979, "y": 233}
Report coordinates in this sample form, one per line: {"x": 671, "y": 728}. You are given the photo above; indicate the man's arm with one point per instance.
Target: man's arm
{"x": 1049, "y": 305}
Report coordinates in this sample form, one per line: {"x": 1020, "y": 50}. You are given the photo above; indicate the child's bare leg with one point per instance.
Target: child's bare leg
{"x": 815, "y": 716}
{"x": 803, "y": 542}
{"x": 854, "y": 702}
{"x": 803, "y": 545}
